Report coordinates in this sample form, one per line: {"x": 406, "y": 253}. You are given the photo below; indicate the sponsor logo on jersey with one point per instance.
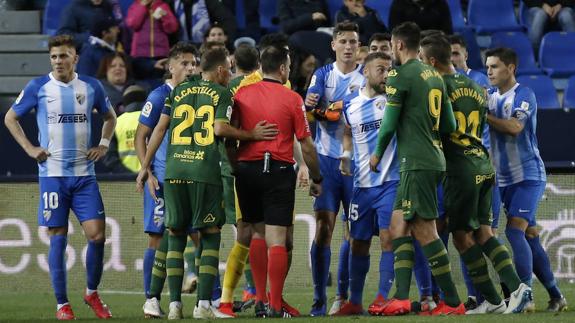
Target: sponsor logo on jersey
{"x": 147, "y": 109}
{"x": 365, "y": 127}
{"x": 392, "y": 73}
{"x": 390, "y": 90}
{"x": 80, "y": 98}
{"x": 54, "y": 117}
{"x": 209, "y": 218}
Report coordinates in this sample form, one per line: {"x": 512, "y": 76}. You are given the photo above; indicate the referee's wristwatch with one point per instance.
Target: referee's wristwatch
{"x": 318, "y": 180}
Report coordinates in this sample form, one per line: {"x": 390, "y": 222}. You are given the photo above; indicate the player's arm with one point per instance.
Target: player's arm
{"x": 143, "y": 132}
{"x": 345, "y": 158}
{"x": 95, "y": 153}
{"x": 386, "y": 132}
{"x": 11, "y": 120}
{"x": 315, "y": 90}
{"x": 310, "y": 157}
{"x": 524, "y": 106}
{"x": 303, "y": 170}
{"x": 447, "y": 123}
{"x": 153, "y": 145}
{"x": 511, "y": 127}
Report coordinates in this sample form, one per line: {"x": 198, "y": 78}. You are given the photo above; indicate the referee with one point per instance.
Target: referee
{"x": 265, "y": 176}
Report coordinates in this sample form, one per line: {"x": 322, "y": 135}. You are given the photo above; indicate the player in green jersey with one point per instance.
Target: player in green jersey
{"x": 469, "y": 183}
{"x": 197, "y": 114}
{"x": 417, "y": 111}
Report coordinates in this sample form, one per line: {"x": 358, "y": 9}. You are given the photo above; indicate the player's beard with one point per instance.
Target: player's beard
{"x": 378, "y": 87}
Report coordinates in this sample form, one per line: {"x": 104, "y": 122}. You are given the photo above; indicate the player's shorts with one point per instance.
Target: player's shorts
{"x": 266, "y": 197}
{"x": 496, "y": 205}
{"x": 193, "y": 203}
{"x": 229, "y": 199}
{"x": 336, "y": 188}
{"x": 370, "y": 210}
{"x": 154, "y": 213}
{"x": 59, "y": 195}
{"x": 522, "y": 199}
{"x": 468, "y": 201}
{"x": 417, "y": 194}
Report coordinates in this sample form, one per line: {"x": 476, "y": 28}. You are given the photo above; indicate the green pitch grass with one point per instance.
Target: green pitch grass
{"x": 40, "y": 306}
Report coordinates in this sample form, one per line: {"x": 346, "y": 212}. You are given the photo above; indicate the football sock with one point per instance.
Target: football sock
{"x": 57, "y": 265}
{"x": 522, "y": 254}
{"x": 360, "y": 265}
{"x": 386, "y": 273}
{"x": 159, "y": 268}
{"x": 320, "y": 260}
{"x": 277, "y": 269}
{"x": 198, "y": 258}
{"x": 175, "y": 265}
{"x": 402, "y": 265}
{"x": 343, "y": 270}
{"x": 436, "y": 254}
{"x": 234, "y": 267}
{"x": 259, "y": 263}
{"x": 471, "y": 292}
{"x": 148, "y": 264}
{"x": 501, "y": 261}
{"x": 217, "y": 289}
{"x": 542, "y": 268}
{"x": 290, "y": 258}
{"x": 94, "y": 263}
{"x": 479, "y": 273}
{"x": 190, "y": 256}
{"x": 209, "y": 261}
{"x": 421, "y": 271}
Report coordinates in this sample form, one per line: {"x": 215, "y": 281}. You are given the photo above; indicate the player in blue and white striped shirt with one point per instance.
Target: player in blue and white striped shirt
{"x": 520, "y": 171}
{"x": 64, "y": 102}
{"x": 373, "y": 193}
{"x": 329, "y": 84}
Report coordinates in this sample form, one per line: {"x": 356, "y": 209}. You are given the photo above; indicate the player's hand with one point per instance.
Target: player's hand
{"x": 38, "y": 153}
{"x": 314, "y": 189}
{"x": 265, "y": 131}
{"x": 303, "y": 176}
{"x": 141, "y": 179}
{"x": 373, "y": 163}
{"x": 311, "y": 100}
{"x": 95, "y": 153}
{"x": 345, "y": 166}
{"x": 153, "y": 185}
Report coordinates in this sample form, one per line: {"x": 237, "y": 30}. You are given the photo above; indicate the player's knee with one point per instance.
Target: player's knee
{"x": 323, "y": 233}
{"x": 210, "y": 230}
{"x": 531, "y": 233}
{"x": 385, "y": 240}
{"x": 462, "y": 241}
{"x": 360, "y": 247}
{"x": 99, "y": 237}
{"x": 483, "y": 234}
{"x": 517, "y": 223}
{"x": 154, "y": 241}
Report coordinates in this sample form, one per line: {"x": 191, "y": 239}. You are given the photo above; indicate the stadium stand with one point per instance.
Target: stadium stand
{"x": 545, "y": 93}
{"x": 569, "y": 94}
{"x": 268, "y": 15}
{"x": 382, "y": 7}
{"x": 51, "y": 16}
{"x": 492, "y": 16}
{"x": 522, "y": 46}
{"x": 556, "y": 54}
{"x": 457, "y": 18}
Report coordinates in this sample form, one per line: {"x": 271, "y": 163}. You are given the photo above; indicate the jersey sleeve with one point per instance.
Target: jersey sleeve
{"x": 152, "y": 110}
{"x": 224, "y": 107}
{"x": 301, "y": 126}
{"x": 395, "y": 89}
{"x": 27, "y": 99}
{"x": 447, "y": 123}
{"x": 345, "y": 106}
{"x": 524, "y": 105}
{"x": 317, "y": 85}
{"x": 102, "y": 103}
{"x": 167, "y": 106}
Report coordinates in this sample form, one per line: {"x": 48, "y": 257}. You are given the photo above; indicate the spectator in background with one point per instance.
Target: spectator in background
{"x": 300, "y": 19}
{"x": 365, "y": 17}
{"x": 217, "y": 34}
{"x": 121, "y": 157}
{"x": 102, "y": 42}
{"x": 379, "y": 42}
{"x": 303, "y": 65}
{"x": 548, "y": 13}
{"x": 79, "y": 16}
{"x": 427, "y": 14}
{"x": 196, "y": 16}
{"x": 151, "y": 21}
{"x": 362, "y": 53}
{"x": 252, "y": 16}
{"x": 115, "y": 73}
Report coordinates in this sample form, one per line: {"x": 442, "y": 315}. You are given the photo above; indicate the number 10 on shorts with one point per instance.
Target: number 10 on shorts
{"x": 50, "y": 200}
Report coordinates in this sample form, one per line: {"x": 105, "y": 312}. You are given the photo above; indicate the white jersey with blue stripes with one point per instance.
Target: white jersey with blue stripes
{"x": 64, "y": 117}
{"x": 332, "y": 86}
{"x": 516, "y": 159}
{"x": 363, "y": 115}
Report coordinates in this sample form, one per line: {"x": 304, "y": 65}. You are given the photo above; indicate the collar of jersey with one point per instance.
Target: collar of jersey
{"x": 340, "y": 73}
{"x": 508, "y": 93}
{"x": 60, "y": 83}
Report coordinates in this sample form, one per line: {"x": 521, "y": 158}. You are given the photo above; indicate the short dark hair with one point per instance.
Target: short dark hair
{"x": 208, "y": 45}
{"x": 457, "y": 40}
{"x": 207, "y": 33}
{"x": 431, "y": 32}
{"x": 409, "y": 33}
{"x": 273, "y": 39}
{"x": 273, "y": 57}
{"x": 182, "y": 47}
{"x": 506, "y": 55}
{"x": 213, "y": 58}
{"x": 345, "y": 26}
{"x": 61, "y": 40}
{"x": 376, "y": 55}
{"x": 379, "y": 37}
{"x": 438, "y": 47}
{"x": 247, "y": 57}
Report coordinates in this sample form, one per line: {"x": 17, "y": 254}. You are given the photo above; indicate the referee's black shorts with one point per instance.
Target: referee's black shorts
{"x": 266, "y": 197}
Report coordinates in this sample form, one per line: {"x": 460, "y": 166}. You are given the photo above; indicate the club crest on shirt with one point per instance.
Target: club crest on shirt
{"x": 80, "y": 98}
{"x": 47, "y": 215}
{"x": 52, "y": 117}
{"x": 353, "y": 87}
{"x": 507, "y": 109}
{"x": 379, "y": 105}
{"x": 158, "y": 220}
